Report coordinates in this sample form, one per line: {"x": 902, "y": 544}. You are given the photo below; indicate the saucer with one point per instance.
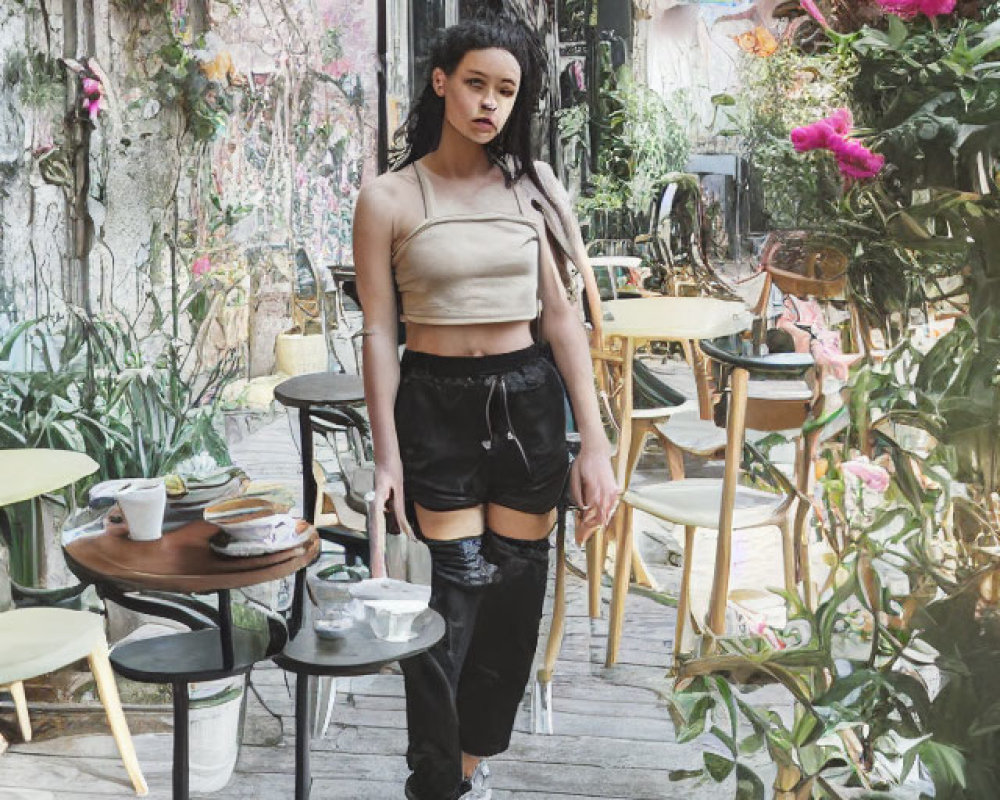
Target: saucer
{"x": 224, "y": 545}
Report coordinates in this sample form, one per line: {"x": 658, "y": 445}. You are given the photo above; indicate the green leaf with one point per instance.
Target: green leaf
{"x": 13, "y": 336}
{"x": 717, "y": 766}
{"x": 751, "y": 744}
{"x": 748, "y": 785}
{"x": 946, "y": 765}
{"x": 726, "y": 739}
{"x": 684, "y": 774}
{"x": 898, "y": 32}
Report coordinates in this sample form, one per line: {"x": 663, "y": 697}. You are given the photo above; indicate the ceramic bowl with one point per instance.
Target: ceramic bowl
{"x": 250, "y": 519}
{"x": 392, "y": 620}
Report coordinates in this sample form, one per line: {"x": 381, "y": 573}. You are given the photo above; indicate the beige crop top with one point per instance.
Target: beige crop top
{"x": 457, "y": 269}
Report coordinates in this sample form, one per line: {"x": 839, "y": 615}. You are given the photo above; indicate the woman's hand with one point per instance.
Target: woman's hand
{"x": 389, "y": 490}
{"x": 593, "y": 488}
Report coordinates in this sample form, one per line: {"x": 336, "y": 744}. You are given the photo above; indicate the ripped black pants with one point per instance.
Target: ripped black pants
{"x": 463, "y": 694}
{"x": 475, "y": 431}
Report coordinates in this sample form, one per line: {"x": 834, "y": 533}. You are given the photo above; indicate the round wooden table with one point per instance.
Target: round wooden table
{"x": 307, "y": 392}
{"x": 182, "y": 561}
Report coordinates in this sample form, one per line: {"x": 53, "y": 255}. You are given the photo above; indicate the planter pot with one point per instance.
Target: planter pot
{"x": 298, "y": 354}
{"x": 215, "y": 725}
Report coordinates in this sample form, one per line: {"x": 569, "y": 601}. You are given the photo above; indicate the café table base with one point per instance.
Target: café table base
{"x": 180, "y": 658}
{"x": 357, "y": 652}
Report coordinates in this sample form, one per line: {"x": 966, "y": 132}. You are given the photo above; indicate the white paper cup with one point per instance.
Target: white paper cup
{"x": 142, "y": 503}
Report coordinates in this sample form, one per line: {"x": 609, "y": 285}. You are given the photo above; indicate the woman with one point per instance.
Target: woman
{"x": 469, "y": 428}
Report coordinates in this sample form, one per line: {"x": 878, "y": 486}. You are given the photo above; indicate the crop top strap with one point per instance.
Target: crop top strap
{"x": 517, "y": 196}
{"x": 426, "y": 191}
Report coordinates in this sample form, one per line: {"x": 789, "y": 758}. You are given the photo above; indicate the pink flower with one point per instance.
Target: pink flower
{"x": 871, "y": 475}
{"x": 841, "y": 120}
{"x": 201, "y": 265}
{"x": 814, "y": 136}
{"x": 854, "y": 159}
{"x": 907, "y": 9}
{"x": 813, "y": 10}
{"x": 93, "y": 106}
{"x": 337, "y": 68}
{"x": 762, "y": 629}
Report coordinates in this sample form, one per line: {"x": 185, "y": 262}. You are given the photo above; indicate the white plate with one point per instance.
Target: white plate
{"x": 224, "y": 545}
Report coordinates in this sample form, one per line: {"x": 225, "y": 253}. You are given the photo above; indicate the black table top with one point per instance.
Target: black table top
{"x": 342, "y": 270}
{"x": 189, "y": 656}
{"x": 320, "y": 389}
{"x": 358, "y": 651}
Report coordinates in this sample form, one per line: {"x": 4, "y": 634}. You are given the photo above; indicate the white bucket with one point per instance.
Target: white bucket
{"x": 214, "y": 727}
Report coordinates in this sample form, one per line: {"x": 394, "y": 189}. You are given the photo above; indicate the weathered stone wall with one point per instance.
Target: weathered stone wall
{"x": 227, "y": 134}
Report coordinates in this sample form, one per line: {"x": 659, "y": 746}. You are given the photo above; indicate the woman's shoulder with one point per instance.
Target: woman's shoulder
{"x": 390, "y": 183}
{"x": 389, "y": 192}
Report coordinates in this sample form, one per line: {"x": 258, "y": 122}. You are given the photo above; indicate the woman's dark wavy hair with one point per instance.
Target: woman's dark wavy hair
{"x": 511, "y": 149}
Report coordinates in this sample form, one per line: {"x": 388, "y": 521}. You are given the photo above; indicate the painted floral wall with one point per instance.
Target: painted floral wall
{"x": 172, "y": 157}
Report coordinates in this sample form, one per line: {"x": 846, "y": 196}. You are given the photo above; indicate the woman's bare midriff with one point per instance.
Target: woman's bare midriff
{"x": 468, "y": 340}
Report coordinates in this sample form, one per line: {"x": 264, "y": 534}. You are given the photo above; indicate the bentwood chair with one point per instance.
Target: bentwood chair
{"x": 724, "y": 504}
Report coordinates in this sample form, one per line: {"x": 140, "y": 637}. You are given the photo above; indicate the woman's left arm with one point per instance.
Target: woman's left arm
{"x": 592, "y": 481}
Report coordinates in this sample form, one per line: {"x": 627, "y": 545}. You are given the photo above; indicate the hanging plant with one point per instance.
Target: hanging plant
{"x": 198, "y": 80}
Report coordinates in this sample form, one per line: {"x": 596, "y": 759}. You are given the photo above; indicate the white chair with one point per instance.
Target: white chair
{"x": 36, "y": 641}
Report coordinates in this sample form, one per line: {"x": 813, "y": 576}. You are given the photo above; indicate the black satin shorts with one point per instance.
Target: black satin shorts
{"x": 478, "y": 430}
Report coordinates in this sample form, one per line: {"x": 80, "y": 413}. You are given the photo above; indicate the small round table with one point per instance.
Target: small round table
{"x": 356, "y": 652}
{"x": 182, "y": 561}
{"x": 316, "y": 390}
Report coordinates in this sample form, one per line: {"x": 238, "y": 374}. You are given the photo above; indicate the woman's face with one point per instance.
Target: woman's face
{"x": 479, "y": 95}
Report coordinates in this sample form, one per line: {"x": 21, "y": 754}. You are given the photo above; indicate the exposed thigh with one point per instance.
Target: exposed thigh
{"x": 449, "y": 525}
{"x": 516, "y": 524}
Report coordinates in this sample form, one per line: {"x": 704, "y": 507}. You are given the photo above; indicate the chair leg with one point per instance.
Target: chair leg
{"x": 557, "y": 628}
{"x": 807, "y": 447}
{"x": 108, "y": 691}
{"x": 735, "y": 430}
{"x": 675, "y": 459}
{"x": 640, "y": 428}
{"x": 801, "y": 544}
{"x": 684, "y": 601}
{"x": 541, "y": 706}
{"x": 596, "y": 548}
{"x": 619, "y": 592}
{"x": 21, "y": 707}
{"x": 788, "y": 552}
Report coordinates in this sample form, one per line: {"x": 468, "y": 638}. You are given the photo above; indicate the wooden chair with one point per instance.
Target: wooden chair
{"x": 36, "y": 641}
{"x": 713, "y": 503}
{"x": 649, "y": 404}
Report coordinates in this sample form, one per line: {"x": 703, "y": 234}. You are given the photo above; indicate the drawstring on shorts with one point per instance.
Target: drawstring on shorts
{"x": 511, "y": 433}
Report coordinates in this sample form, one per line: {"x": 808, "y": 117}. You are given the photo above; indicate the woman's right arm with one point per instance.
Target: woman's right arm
{"x": 373, "y": 237}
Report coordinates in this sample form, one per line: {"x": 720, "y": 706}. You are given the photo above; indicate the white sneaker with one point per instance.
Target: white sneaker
{"x": 479, "y": 784}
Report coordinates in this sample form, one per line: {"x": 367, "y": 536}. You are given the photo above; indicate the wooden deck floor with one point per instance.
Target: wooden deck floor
{"x": 613, "y": 736}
